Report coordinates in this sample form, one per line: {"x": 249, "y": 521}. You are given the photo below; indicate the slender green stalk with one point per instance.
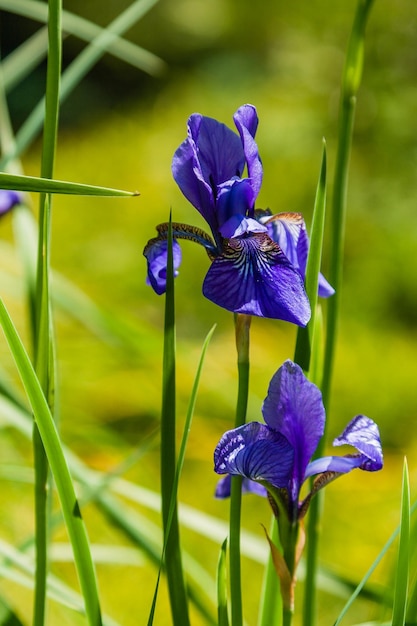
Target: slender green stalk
{"x": 222, "y": 614}
{"x": 305, "y": 336}
{"x": 173, "y": 561}
{"x": 242, "y": 328}
{"x": 76, "y": 71}
{"x": 402, "y": 573}
{"x": 51, "y": 442}
{"x": 350, "y": 84}
{"x": 43, "y": 342}
{"x": 271, "y": 610}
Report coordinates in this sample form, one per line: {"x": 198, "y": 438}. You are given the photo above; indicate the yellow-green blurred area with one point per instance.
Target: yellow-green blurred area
{"x": 120, "y": 129}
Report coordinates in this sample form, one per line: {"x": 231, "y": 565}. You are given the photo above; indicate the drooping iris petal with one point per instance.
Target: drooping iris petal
{"x": 294, "y": 408}
{"x": 156, "y": 253}
{"x": 223, "y": 487}
{"x": 289, "y": 231}
{"x": 8, "y": 199}
{"x": 256, "y": 452}
{"x": 338, "y": 464}
{"x": 253, "y": 276}
{"x": 246, "y": 120}
{"x": 363, "y": 434}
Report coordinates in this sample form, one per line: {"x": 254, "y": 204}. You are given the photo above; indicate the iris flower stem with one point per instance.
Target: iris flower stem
{"x": 271, "y": 599}
{"x": 242, "y": 328}
{"x": 289, "y": 540}
{"x": 173, "y": 558}
{"x": 351, "y": 79}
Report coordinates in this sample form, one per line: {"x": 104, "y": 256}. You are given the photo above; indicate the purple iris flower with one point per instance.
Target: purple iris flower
{"x": 250, "y": 273}
{"x": 277, "y": 454}
{"x": 8, "y": 199}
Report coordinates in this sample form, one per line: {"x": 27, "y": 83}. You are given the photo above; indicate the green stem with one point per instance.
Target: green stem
{"x": 173, "y": 561}
{"x": 350, "y": 84}
{"x": 242, "y": 333}
{"x": 351, "y": 79}
{"x": 43, "y": 341}
{"x": 271, "y": 609}
{"x": 289, "y": 539}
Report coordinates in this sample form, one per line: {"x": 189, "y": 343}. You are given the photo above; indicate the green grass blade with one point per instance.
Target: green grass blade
{"x": 58, "y": 591}
{"x": 43, "y": 339}
{"x": 44, "y": 185}
{"x": 222, "y": 615}
{"x": 402, "y": 574}
{"x": 305, "y": 335}
{"x": 50, "y": 439}
{"x": 173, "y": 561}
{"x": 76, "y": 71}
{"x": 23, "y": 60}
{"x": 370, "y": 571}
{"x": 270, "y": 611}
{"x": 180, "y": 463}
{"x": 87, "y": 31}
{"x": 137, "y": 528}
{"x": 350, "y": 84}
{"x": 242, "y": 336}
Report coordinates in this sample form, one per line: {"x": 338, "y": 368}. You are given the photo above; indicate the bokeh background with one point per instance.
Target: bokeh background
{"x": 120, "y": 128}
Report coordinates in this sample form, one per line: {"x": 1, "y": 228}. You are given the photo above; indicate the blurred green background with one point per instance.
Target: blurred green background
{"x": 120, "y": 128}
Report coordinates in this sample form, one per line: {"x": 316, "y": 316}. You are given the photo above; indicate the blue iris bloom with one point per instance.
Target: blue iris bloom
{"x": 275, "y": 457}
{"x": 258, "y": 260}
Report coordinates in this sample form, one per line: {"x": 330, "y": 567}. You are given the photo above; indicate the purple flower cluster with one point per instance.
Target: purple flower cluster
{"x": 277, "y": 456}
{"x": 258, "y": 259}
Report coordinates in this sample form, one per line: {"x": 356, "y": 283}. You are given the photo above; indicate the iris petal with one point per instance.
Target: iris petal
{"x": 234, "y": 198}
{"x": 253, "y": 276}
{"x": 363, "y": 434}
{"x": 217, "y": 148}
{"x": 255, "y": 452}
{"x": 289, "y": 231}
{"x": 294, "y": 407}
{"x": 156, "y": 253}
{"x": 246, "y": 120}
{"x": 223, "y": 487}
{"x": 8, "y": 199}
{"x": 189, "y": 178}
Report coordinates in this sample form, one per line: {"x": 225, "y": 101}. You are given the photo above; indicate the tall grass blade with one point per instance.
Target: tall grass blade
{"x": 43, "y": 339}
{"x": 18, "y": 182}
{"x": 50, "y": 439}
{"x": 402, "y": 574}
{"x": 305, "y": 335}
{"x": 76, "y": 71}
{"x": 73, "y": 24}
{"x": 351, "y": 79}
{"x": 242, "y": 337}
{"x": 370, "y": 571}
{"x": 173, "y": 560}
{"x": 180, "y": 463}
{"x": 222, "y": 614}
{"x": 270, "y": 611}
{"x": 22, "y": 61}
